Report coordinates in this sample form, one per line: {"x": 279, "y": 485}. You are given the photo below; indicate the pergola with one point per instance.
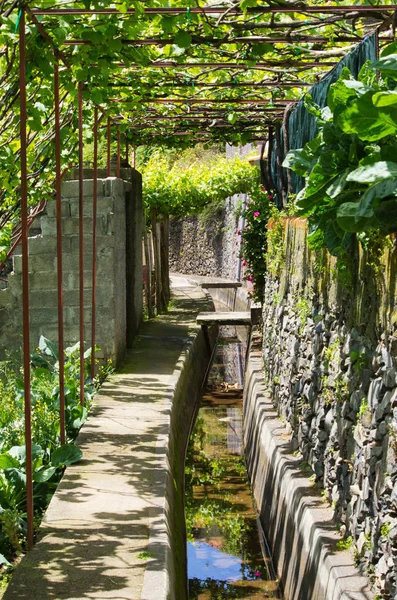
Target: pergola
{"x": 148, "y": 74}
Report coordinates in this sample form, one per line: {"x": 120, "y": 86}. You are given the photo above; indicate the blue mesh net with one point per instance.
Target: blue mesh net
{"x": 302, "y": 125}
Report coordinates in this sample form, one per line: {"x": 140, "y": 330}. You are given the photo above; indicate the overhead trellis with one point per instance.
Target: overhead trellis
{"x": 162, "y": 74}
{"x": 70, "y": 69}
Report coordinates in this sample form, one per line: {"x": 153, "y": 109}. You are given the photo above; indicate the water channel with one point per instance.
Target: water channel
{"x": 227, "y": 551}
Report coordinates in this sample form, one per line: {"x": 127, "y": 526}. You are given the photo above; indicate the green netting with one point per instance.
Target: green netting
{"x": 302, "y": 126}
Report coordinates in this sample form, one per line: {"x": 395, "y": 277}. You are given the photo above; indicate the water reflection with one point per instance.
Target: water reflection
{"x": 225, "y": 560}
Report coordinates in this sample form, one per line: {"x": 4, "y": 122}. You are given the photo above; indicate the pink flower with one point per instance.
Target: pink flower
{"x": 244, "y": 263}
{"x": 257, "y": 213}
{"x": 270, "y": 197}
{"x": 239, "y": 233}
{"x": 263, "y": 188}
{"x": 257, "y": 574}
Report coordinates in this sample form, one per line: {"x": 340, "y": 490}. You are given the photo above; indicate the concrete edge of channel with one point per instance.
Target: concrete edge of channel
{"x": 167, "y": 541}
{"x": 298, "y": 524}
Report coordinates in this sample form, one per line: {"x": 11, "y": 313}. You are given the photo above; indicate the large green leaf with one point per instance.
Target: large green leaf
{"x": 183, "y": 39}
{"x": 332, "y": 238}
{"x": 377, "y": 171}
{"x": 48, "y": 348}
{"x": 389, "y": 49}
{"x": 370, "y": 123}
{"x": 19, "y": 453}
{"x": 16, "y": 477}
{"x": 44, "y": 474}
{"x": 7, "y": 461}
{"x": 297, "y": 161}
{"x": 339, "y": 94}
{"x": 346, "y": 217}
{"x": 4, "y": 561}
{"x": 385, "y": 98}
{"x": 386, "y": 213}
{"x": 387, "y": 65}
{"x": 66, "y": 455}
{"x": 379, "y": 190}
{"x": 337, "y": 184}
{"x": 357, "y": 86}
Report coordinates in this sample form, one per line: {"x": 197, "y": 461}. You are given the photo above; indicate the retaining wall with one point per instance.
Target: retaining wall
{"x": 209, "y": 249}
{"x": 330, "y": 357}
{"x": 119, "y": 269}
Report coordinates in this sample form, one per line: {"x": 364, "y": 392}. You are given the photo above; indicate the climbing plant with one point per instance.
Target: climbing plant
{"x": 116, "y": 58}
{"x": 350, "y": 167}
{"x": 184, "y": 189}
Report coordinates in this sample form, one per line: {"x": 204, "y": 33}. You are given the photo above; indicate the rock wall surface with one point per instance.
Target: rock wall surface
{"x": 330, "y": 355}
{"x": 206, "y": 249}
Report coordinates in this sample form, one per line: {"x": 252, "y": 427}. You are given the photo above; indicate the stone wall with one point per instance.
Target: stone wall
{"x": 330, "y": 356}
{"x": 209, "y": 249}
{"x": 119, "y": 260}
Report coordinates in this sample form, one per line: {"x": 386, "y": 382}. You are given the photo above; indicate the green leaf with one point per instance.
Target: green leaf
{"x": 167, "y": 24}
{"x": 332, "y": 238}
{"x": 4, "y": 561}
{"x": 387, "y": 65}
{"x": 346, "y": 217}
{"x": 368, "y": 122}
{"x": 44, "y": 474}
{"x": 183, "y": 39}
{"x": 7, "y": 461}
{"x": 297, "y": 161}
{"x": 385, "y": 98}
{"x": 386, "y": 213}
{"x": 377, "y": 191}
{"x": 19, "y": 453}
{"x": 389, "y": 49}
{"x": 375, "y": 172}
{"x": 359, "y": 87}
{"x": 66, "y": 455}
{"x": 248, "y": 4}
{"x": 337, "y": 185}
{"x": 48, "y": 348}
{"x": 232, "y": 118}
{"x": 16, "y": 477}
{"x": 339, "y": 94}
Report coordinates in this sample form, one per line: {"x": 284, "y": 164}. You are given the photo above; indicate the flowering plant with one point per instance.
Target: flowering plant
{"x": 254, "y": 243}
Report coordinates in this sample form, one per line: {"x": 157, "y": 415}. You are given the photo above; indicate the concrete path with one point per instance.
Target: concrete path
{"x": 104, "y": 533}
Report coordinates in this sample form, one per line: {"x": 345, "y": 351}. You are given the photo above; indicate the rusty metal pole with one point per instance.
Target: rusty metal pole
{"x": 133, "y": 157}
{"x": 126, "y": 152}
{"x": 94, "y": 243}
{"x": 108, "y": 140}
{"x": 58, "y": 179}
{"x": 25, "y": 278}
{"x": 81, "y": 242}
{"x": 118, "y": 154}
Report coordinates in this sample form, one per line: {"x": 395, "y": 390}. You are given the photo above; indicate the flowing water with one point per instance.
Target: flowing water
{"x": 227, "y": 553}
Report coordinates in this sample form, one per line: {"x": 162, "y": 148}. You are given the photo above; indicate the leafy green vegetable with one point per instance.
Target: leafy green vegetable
{"x": 350, "y": 168}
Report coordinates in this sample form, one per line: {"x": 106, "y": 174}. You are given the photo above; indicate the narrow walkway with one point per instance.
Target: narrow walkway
{"x": 104, "y": 534}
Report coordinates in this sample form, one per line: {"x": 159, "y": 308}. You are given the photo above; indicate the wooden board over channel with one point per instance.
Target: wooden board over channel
{"x": 224, "y": 318}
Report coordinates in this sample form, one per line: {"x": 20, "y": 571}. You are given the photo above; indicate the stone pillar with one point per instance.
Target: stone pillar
{"x": 117, "y": 204}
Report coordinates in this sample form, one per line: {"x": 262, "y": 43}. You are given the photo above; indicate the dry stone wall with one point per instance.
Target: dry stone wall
{"x": 119, "y": 260}
{"x": 209, "y": 249}
{"x": 330, "y": 354}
